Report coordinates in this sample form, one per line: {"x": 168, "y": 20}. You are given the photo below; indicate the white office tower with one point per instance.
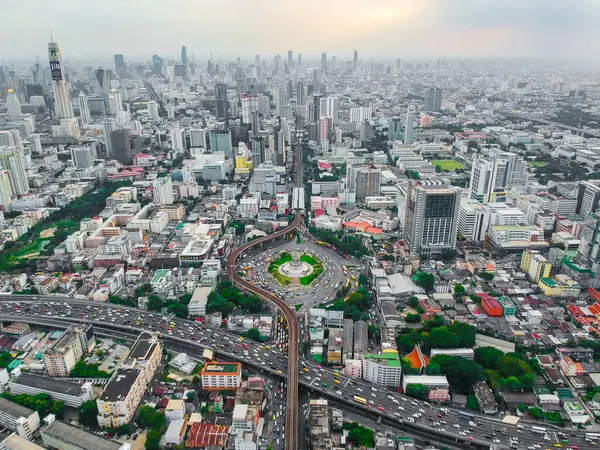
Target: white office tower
{"x": 84, "y": 109}
{"x": 13, "y": 160}
{"x": 82, "y": 157}
{"x": 13, "y": 106}
{"x": 178, "y": 140}
{"x": 494, "y": 175}
{"x": 409, "y": 125}
{"x": 115, "y": 102}
{"x": 6, "y": 193}
{"x": 249, "y": 105}
{"x": 170, "y": 111}
{"x": 431, "y": 218}
{"x": 10, "y": 138}
{"x": 162, "y": 191}
{"x": 153, "y": 110}
{"x": 109, "y": 125}
{"x": 329, "y": 107}
{"x": 136, "y": 126}
{"x": 62, "y": 101}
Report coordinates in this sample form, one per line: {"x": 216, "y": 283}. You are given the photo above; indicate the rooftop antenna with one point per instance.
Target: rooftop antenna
{"x": 51, "y": 37}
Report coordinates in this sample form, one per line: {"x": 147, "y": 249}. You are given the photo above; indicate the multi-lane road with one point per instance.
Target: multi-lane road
{"x": 192, "y": 336}
{"x": 291, "y": 417}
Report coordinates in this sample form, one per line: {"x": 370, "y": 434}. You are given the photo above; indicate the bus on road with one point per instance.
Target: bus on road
{"x": 539, "y": 430}
{"x": 466, "y": 415}
{"x": 360, "y": 400}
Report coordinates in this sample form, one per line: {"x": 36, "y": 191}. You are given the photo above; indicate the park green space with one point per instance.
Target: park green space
{"x": 448, "y": 164}
{"x": 537, "y": 164}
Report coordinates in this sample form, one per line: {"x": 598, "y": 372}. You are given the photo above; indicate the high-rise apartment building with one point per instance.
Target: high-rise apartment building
{"x": 65, "y": 352}
{"x": 13, "y": 106}
{"x": 433, "y": 100}
{"x": 290, "y": 59}
{"x": 328, "y": 106}
{"x": 395, "y": 129}
{"x": 358, "y": 114}
{"x": 62, "y": 102}
{"x": 258, "y": 151}
{"x": 249, "y": 105}
{"x": 162, "y": 191}
{"x": 588, "y": 197}
{"x": 109, "y": 126}
{"x": 431, "y": 218}
{"x": 409, "y": 125}
{"x": 121, "y": 397}
{"x": 12, "y": 159}
{"x": 84, "y": 109}
{"x": 153, "y": 110}
{"x": 300, "y": 95}
{"x": 493, "y": 176}
{"x": 367, "y": 181}
{"x": 220, "y": 141}
{"x": 355, "y": 61}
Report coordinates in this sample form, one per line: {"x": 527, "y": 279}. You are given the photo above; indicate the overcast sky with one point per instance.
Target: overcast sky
{"x": 377, "y": 28}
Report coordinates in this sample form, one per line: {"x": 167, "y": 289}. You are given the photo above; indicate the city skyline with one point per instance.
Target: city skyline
{"x": 429, "y": 28}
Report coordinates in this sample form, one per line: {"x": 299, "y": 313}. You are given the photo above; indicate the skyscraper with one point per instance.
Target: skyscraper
{"x": 13, "y": 105}
{"x": 162, "y": 191}
{"x": 258, "y": 150}
{"x": 101, "y": 82}
{"x": 280, "y": 100}
{"x": 157, "y": 64}
{"x": 409, "y": 125}
{"x": 290, "y": 58}
{"x": 324, "y": 62}
{"x": 221, "y": 101}
{"x": 184, "y": 58}
{"x": 249, "y": 105}
{"x": 493, "y": 176}
{"x": 367, "y": 181}
{"x": 395, "y": 129}
{"x": 153, "y": 110}
{"x": 120, "y": 66}
{"x": 109, "y": 126}
{"x": 588, "y": 197}
{"x": 62, "y": 102}
{"x": 433, "y": 99}
{"x": 355, "y": 62}
{"x": 124, "y": 146}
{"x": 431, "y": 218}
{"x": 13, "y": 160}
{"x": 328, "y": 106}
{"x": 300, "y": 97}
{"x": 299, "y": 59}
{"x": 84, "y": 109}
{"x": 6, "y": 194}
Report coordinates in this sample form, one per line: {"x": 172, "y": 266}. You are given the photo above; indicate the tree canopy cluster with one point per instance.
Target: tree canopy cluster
{"x": 156, "y": 422}
{"x": 359, "y": 435}
{"x": 510, "y": 371}
{"x": 434, "y": 334}
{"x": 88, "y": 413}
{"x": 226, "y": 298}
{"x": 42, "y": 403}
{"x": 356, "y": 307}
{"x": 349, "y": 244}
{"x": 83, "y": 370}
{"x": 462, "y": 373}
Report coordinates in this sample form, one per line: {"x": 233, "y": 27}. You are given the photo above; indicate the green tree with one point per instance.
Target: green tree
{"x": 419, "y": 391}
{"x": 459, "y": 290}
{"x": 373, "y": 331}
{"x": 177, "y": 309}
{"x": 486, "y": 275}
{"x": 432, "y": 368}
{"x": 465, "y": 333}
{"x": 513, "y": 384}
{"x": 462, "y": 373}
{"x": 535, "y": 413}
{"x": 58, "y": 409}
{"x": 254, "y": 334}
{"x": 488, "y": 357}
{"x": 154, "y": 303}
{"x": 412, "y": 318}
{"x": 413, "y": 301}
{"x": 426, "y": 281}
{"x": 360, "y": 436}
{"x": 472, "y": 402}
{"x": 153, "y": 440}
{"x": 88, "y": 413}
{"x": 441, "y": 337}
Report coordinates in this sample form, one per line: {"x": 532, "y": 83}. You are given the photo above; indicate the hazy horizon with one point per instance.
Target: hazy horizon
{"x": 538, "y": 29}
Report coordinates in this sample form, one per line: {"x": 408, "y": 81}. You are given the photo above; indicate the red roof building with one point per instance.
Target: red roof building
{"x": 202, "y": 435}
{"x": 490, "y": 305}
